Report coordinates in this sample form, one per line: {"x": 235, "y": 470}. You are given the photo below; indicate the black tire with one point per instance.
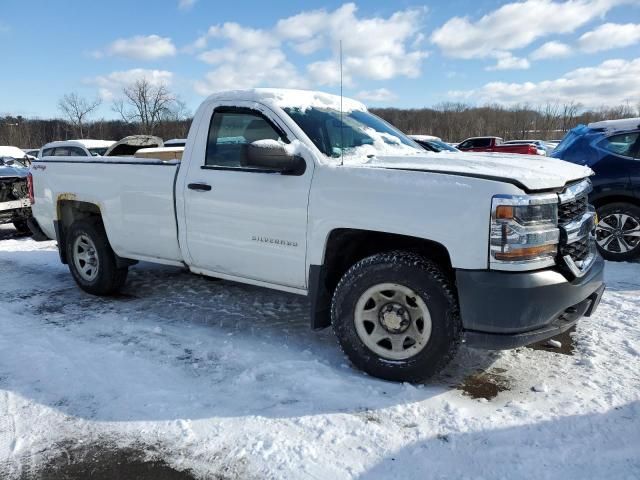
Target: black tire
{"x": 424, "y": 278}
{"x": 614, "y": 249}
{"x": 21, "y": 226}
{"x": 109, "y": 278}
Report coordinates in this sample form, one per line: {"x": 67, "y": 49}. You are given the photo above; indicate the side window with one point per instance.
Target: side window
{"x": 230, "y": 133}
{"x": 623, "y": 144}
{"x": 466, "y": 144}
{"x": 47, "y": 152}
{"x": 76, "y": 152}
{"x": 482, "y": 142}
{"x": 62, "y": 152}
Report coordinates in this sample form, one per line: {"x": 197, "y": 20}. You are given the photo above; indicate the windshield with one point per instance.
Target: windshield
{"x": 440, "y": 146}
{"x": 357, "y": 133}
{"x": 97, "y": 151}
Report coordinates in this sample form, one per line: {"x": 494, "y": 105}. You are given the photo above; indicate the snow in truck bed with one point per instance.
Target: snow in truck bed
{"x": 227, "y": 381}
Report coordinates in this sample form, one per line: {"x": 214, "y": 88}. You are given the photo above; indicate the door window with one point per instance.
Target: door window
{"x": 230, "y": 133}
{"x": 623, "y": 144}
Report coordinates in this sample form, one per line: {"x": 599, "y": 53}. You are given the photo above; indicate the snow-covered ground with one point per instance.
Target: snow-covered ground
{"x": 227, "y": 381}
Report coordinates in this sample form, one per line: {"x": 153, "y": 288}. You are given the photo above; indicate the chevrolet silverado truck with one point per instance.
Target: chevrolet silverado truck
{"x": 405, "y": 253}
{"x": 496, "y": 144}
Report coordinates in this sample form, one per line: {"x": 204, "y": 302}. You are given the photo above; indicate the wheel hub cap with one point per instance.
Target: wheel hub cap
{"x": 394, "y": 318}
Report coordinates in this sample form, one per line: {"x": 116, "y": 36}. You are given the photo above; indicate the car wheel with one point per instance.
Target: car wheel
{"x": 618, "y": 231}
{"x": 396, "y": 317}
{"x": 92, "y": 261}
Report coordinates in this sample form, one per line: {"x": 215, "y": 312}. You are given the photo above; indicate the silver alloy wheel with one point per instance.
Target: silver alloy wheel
{"x": 618, "y": 233}
{"x": 392, "y": 321}
{"x": 85, "y": 258}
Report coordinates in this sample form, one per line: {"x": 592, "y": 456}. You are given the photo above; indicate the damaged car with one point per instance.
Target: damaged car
{"x": 14, "y": 194}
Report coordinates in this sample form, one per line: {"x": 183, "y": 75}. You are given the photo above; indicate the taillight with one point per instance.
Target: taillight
{"x": 32, "y": 198}
{"x": 533, "y": 150}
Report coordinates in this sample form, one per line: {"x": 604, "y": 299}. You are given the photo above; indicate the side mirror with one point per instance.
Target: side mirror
{"x": 272, "y": 155}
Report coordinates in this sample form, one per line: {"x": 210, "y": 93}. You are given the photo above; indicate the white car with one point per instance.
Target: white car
{"x": 75, "y": 148}
{"x": 406, "y": 253}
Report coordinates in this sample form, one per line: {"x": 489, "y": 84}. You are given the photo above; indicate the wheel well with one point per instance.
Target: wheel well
{"x": 70, "y": 211}
{"x": 602, "y": 201}
{"x": 345, "y": 247}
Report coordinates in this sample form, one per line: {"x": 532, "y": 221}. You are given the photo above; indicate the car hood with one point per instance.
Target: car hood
{"x": 530, "y": 172}
{"x": 9, "y": 171}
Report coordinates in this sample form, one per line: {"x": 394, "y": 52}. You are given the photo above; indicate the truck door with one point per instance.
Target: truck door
{"x": 239, "y": 221}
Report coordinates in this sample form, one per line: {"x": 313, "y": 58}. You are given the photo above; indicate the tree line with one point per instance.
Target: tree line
{"x": 146, "y": 108}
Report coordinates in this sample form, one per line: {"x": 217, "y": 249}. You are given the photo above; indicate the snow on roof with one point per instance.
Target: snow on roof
{"x": 424, "y": 138}
{"x": 615, "y": 125}
{"x": 86, "y": 143}
{"x": 13, "y": 152}
{"x": 290, "y": 98}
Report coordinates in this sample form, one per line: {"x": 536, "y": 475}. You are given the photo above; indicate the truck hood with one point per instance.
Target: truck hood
{"x": 530, "y": 172}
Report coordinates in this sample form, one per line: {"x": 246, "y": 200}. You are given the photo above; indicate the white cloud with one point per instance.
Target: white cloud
{"x": 610, "y": 35}
{"x": 110, "y": 86}
{"x": 516, "y": 25}
{"x": 186, "y": 4}
{"x": 140, "y": 47}
{"x": 378, "y": 95}
{"x": 613, "y": 82}
{"x": 506, "y": 61}
{"x": 373, "y": 48}
{"x": 551, "y": 50}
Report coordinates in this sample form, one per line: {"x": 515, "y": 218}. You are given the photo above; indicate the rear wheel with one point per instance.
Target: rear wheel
{"x": 92, "y": 261}
{"x": 618, "y": 231}
{"x": 396, "y": 317}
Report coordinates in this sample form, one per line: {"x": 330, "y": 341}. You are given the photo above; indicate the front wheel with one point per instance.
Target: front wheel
{"x": 396, "y": 317}
{"x": 618, "y": 231}
{"x": 92, "y": 261}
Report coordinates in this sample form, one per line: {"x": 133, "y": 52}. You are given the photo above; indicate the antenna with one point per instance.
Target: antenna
{"x": 341, "y": 124}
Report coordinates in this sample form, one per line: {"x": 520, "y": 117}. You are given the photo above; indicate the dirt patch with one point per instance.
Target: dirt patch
{"x": 485, "y": 385}
{"x": 566, "y": 348}
{"x": 107, "y": 463}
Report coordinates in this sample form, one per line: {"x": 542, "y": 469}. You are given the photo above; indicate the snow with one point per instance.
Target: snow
{"x": 13, "y": 152}
{"x": 228, "y": 381}
{"x": 533, "y": 171}
{"x": 290, "y": 98}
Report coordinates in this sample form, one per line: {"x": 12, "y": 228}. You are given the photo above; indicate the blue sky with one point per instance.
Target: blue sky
{"x": 401, "y": 53}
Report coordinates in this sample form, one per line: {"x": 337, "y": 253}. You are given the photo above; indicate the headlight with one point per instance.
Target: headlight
{"x": 524, "y": 231}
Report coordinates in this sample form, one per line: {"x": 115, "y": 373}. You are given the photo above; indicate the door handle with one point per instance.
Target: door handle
{"x": 199, "y": 187}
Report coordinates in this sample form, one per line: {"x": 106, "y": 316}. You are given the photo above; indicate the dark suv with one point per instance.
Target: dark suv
{"x": 612, "y": 149}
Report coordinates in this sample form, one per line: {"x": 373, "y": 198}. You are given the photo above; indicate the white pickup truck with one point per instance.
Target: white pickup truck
{"x": 406, "y": 253}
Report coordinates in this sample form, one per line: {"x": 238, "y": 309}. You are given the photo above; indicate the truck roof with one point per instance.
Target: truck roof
{"x": 289, "y": 98}
{"x": 616, "y": 125}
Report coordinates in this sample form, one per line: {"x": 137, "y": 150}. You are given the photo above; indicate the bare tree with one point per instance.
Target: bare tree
{"x": 145, "y": 104}
{"x": 77, "y": 109}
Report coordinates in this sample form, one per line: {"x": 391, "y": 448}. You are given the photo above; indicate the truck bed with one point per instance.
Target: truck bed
{"x": 135, "y": 197}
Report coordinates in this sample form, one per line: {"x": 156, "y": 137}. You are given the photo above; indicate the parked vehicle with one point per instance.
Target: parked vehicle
{"x": 15, "y": 153}
{"x": 75, "y": 148}
{"x": 495, "y": 144}
{"x": 432, "y": 144}
{"x": 130, "y": 145}
{"x": 406, "y": 253}
{"x": 175, "y": 142}
{"x": 32, "y": 152}
{"x": 14, "y": 195}
{"x": 612, "y": 150}
{"x": 541, "y": 147}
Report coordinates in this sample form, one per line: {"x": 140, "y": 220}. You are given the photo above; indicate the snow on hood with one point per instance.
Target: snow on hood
{"x": 531, "y": 171}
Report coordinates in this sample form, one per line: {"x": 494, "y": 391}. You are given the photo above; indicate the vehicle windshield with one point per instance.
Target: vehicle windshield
{"x": 12, "y": 161}
{"x": 353, "y": 133}
{"x": 97, "y": 151}
{"x": 440, "y": 146}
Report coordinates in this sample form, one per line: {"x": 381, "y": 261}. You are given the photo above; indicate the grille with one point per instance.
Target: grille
{"x": 572, "y": 210}
{"x": 578, "y": 251}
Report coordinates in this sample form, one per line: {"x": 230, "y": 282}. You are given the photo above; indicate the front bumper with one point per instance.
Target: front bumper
{"x": 502, "y": 310}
